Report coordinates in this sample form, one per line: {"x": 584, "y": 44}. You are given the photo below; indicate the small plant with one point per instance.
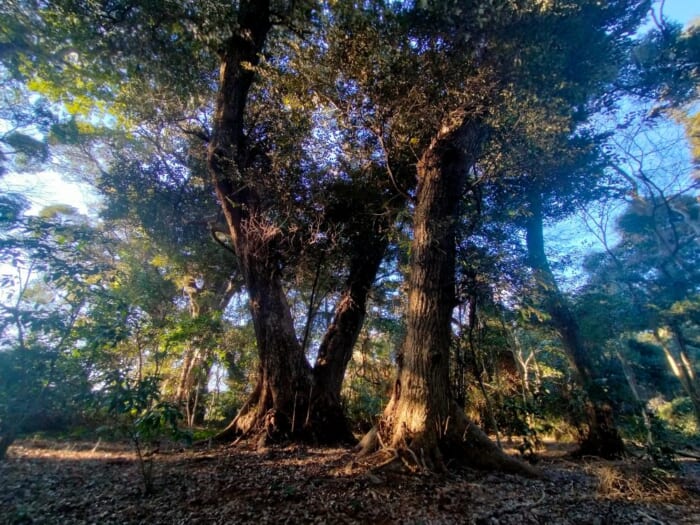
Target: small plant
{"x": 139, "y": 414}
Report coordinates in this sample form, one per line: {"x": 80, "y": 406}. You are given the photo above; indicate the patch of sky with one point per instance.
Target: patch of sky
{"x": 48, "y": 187}
{"x": 650, "y": 157}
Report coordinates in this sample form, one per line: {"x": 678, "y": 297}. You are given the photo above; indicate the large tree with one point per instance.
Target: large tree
{"x": 258, "y": 169}
{"x": 422, "y": 425}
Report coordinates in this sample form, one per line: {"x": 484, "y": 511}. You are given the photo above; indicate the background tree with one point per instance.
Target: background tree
{"x": 95, "y": 33}
{"x": 47, "y": 282}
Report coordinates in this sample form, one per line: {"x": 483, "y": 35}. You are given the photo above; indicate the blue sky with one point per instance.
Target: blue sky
{"x": 684, "y": 11}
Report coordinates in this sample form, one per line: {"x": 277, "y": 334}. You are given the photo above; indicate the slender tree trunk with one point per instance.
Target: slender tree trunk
{"x": 632, "y": 383}
{"x": 602, "y": 438}
{"x": 338, "y": 343}
{"x": 480, "y": 368}
{"x": 183, "y": 386}
{"x": 672, "y": 344}
{"x": 422, "y": 422}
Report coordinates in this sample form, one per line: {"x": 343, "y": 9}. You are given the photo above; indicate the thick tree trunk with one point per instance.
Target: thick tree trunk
{"x": 602, "y": 438}
{"x": 422, "y": 423}
{"x": 284, "y": 380}
{"x": 279, "y": 403}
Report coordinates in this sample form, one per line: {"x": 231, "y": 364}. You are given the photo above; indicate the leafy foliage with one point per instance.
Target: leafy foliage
{"x": 343, "y": 102}
{"x": 139, "y": 413}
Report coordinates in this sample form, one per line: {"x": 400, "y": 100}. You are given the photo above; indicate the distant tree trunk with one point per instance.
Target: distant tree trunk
{"x": 632, "y": 383}
{"x": 602, "y": 438}
{"x": 480, "y": 367}
{"x": 422, "y": 422}
{"x": 671, "y": 342}
{"x": 689, "y": 374}
{"x": 212, "y": 297}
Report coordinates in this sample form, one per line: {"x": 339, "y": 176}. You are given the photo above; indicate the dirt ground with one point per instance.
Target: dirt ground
{"x": 56, "y": 482}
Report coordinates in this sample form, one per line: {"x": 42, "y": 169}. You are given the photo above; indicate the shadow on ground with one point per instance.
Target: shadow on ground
{"x": 74, "y": 482}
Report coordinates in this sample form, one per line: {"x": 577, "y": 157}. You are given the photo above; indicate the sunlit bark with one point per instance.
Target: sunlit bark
{"x": 422, "y": 423}
{"x": 671, "y": 342}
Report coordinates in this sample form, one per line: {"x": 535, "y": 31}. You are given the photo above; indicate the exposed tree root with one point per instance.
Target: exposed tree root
{"x": 323, "y": 423}
{"x": 476, "y": 450}
{"x": 242, "y": 424}
{"x": 464, "y": 444}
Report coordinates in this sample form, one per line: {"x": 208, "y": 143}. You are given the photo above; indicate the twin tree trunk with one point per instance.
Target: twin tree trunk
{"x": 291, "y": 399}
{"x": 602, "y": 438}
{"x": 422, "y": 422}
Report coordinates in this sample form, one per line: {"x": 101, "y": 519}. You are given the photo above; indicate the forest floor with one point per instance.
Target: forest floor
{"x": 69, "y": 482}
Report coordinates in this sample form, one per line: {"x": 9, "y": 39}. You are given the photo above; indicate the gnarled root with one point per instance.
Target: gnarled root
{"x": 460, "y": 443}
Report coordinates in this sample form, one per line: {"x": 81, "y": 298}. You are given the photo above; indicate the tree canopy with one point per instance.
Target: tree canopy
{"x": 298, "y": 197}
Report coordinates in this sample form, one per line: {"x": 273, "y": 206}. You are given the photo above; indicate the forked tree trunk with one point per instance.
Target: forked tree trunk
{"x": 422, "y": 422}
{"x": 290, "y": 397}
{"x": 602, "y": 438}
{"x": 280, "y": 403}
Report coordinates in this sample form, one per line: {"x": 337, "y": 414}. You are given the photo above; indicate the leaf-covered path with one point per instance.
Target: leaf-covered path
{"x": 72, "y": 482}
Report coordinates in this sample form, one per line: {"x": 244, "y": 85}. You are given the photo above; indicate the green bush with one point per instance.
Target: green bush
{"x": 139, "y": 414}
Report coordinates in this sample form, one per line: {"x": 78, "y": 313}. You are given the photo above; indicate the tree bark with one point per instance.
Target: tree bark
{"x": 602, "y": 438}
{"x": 284, "y": 377}
{"x": 337, "y": 346}
{"x": 422, "y": 422}
{"x": 280, "y": 403}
